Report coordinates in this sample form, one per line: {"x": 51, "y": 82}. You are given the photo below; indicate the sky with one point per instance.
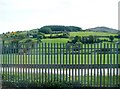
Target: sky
{"x": 20, "y": 15}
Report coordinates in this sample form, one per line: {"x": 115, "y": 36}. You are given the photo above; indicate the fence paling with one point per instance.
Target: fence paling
{"x": 68, "y": 62}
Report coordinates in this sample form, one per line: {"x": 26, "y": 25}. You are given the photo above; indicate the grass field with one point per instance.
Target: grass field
{"x": 55, "y": 40}
{"x": 86, "y": 34}
{"x": 61, "y": 59}
{"x": 64, "y": 54}
{"x": 91, "y": 33}
{"x": 73, "y": 34}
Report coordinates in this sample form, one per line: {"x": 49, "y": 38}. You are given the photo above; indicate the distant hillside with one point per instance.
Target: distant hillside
{"x": 102, "y": 29}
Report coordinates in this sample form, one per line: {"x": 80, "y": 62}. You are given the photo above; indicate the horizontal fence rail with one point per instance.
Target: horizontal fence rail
{"x": 93, "y": 65}
{"x": 82, "y": 66}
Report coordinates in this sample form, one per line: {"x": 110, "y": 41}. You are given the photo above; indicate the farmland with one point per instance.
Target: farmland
{"x": 62, "y": 57}
{"x": 73, "y": 34}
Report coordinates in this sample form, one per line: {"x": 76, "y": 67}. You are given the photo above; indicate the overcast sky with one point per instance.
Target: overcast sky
{"x": 29, "y": 14}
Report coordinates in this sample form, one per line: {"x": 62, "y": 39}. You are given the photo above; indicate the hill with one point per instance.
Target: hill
{"x": 103, "y": 29}
{"x": 58, "y": 28}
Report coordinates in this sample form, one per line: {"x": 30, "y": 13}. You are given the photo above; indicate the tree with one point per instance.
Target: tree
{"x": 91, "y": 39}
{"x": 58, "y": 29}
{"x": 76, "y": 39}
{"x": 45, "y": 30}
{"x": 111, "y": 38}
{"x": 21, "y": 36}
{"x": 74, "y": 28}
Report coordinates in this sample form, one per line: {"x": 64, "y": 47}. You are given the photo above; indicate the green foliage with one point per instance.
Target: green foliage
{"x": 45, "y": 30}
{"x": 111, "y": 38}
{"x": 90, "y": 39}
{"x": 56, "y": 84}
{"x": 85, "y": 39}
{"x": 63, "y": 35}
{"x": 64, "y": 32}
{"x": 21, "y": 35}
{"x": 74, "y": 28}
{"x": 76, "y": 39}
{"x": 45, "y": 85}
{"x": 58, "y": 29}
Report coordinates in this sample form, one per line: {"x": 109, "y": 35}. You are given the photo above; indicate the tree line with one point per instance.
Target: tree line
{"x": 58, "y": 29}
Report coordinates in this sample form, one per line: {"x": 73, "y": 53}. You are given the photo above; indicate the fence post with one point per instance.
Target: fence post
{"x": 60, "y": 61}
{"x": 1, "y": 45}
{"x": 51, "y": 59}
{"x": 118, "y": 63}
{"x": 54, "y": 60}
{"x": 95, "y": 62}
{"x": 100, "y": 65}
{"x": 111, "y": 65}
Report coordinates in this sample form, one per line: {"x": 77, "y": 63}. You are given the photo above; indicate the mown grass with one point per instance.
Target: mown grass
{"x": 56, "y": 40}
{"x": 91, "y": 33}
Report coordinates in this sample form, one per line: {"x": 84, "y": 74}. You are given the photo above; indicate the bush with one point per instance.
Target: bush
{"x": 48, "y": 85}
{"x": 111, "y": 38}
